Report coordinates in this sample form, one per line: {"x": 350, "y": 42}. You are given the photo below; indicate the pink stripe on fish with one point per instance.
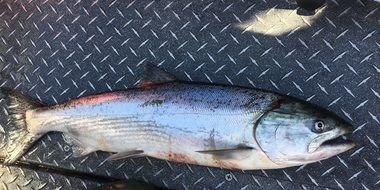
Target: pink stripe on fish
{"x": 96, "y": 99}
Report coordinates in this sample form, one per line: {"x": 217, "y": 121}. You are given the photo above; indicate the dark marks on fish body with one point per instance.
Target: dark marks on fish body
{"x": 154, "y": 102}
{"x": 178, "y": 157}
{"x": 73, "y": 131}
{"x": 211, "y": 139}
{"x": 211, "y": 143}
{"x": 228, "y": 165}
{"x": 251, "y": 102}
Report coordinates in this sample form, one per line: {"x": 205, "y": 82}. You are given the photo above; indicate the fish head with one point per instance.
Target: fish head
{"x": 295, "y": 133}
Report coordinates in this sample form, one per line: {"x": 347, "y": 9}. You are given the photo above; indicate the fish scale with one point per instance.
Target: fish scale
{"x": 110, "y": 128}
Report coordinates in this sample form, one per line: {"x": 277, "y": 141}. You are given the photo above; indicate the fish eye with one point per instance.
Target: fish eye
{"x": 319, "y": 126}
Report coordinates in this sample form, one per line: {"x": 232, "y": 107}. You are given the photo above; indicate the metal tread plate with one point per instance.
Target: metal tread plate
{"x": 56, "y": 50}
{"x": 28, "y": 178}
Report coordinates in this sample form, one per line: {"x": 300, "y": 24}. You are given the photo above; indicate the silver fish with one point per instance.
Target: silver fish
{"x": 210, "y": 125}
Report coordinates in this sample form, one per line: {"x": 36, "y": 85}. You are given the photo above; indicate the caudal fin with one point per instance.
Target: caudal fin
{"x": 17, "y": 139}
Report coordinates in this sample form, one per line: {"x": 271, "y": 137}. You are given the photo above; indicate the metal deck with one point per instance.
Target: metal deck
{"x": 56, "y": 50}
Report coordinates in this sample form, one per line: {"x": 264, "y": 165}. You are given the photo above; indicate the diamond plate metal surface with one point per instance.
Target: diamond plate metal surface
{"x": 21, "y": 178}
{"x": 56, "y": 50}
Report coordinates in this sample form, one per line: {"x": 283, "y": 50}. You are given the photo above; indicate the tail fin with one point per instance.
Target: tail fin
{"x": 17, "y": 139}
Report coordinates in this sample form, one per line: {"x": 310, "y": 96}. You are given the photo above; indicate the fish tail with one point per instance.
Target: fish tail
{"x": 16, "y": 138}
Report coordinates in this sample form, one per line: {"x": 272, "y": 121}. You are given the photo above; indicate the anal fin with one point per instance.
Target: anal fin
{"x": 127, "y": 154}
{"x": 77, "y": 146}
{"x": 79, "y": 151}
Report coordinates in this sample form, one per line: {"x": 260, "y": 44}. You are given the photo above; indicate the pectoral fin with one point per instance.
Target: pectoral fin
{"x": 153, "y": 75}
{"x": 239, "y": 152}
{"x": 127, "y": 154}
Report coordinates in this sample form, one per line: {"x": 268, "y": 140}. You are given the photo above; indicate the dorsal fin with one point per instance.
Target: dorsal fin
{"x": 153, "y": 75}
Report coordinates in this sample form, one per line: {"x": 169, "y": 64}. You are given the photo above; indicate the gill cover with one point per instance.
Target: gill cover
{"x": 295, "y": 133}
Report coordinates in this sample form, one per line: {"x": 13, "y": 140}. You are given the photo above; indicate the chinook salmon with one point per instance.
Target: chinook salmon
{"x": 210, "y": 125}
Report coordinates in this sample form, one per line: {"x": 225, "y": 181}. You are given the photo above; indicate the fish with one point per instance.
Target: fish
{"x": 221, "y": 126}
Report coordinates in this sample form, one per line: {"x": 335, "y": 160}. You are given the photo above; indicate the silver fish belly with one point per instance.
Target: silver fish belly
{"x": 171, "y": 121}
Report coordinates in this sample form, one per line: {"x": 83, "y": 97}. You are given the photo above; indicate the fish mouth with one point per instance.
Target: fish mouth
{"x": 333, "y": 139}
{"x": 340, "y": 141}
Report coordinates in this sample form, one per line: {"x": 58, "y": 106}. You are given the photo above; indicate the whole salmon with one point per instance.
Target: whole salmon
{"x": 211, "y": 125}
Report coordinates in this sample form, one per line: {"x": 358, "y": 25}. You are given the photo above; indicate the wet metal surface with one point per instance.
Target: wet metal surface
{"x": 21, "y": 178}
{"x": 56, "y": 50}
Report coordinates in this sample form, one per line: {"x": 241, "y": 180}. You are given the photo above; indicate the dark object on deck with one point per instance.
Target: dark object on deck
{"x": 310, "y": 4}
{"x": 128, "y": 185}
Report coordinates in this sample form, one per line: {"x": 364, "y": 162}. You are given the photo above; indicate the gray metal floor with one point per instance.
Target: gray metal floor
{"x": 56, "y": 50}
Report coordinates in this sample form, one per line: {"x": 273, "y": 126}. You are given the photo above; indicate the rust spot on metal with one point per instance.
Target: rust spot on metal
{"x": 119, "y": 185}
{"x": 114, "y": 186}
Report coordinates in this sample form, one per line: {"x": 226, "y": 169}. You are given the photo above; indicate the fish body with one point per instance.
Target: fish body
{"x": 170, "y": 121}
{"x": 210, "y": 125}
